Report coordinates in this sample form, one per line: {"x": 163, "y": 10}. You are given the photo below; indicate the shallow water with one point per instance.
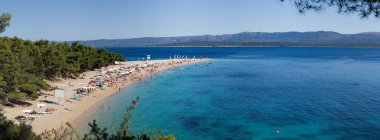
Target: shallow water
{"x": 248, "y": 93}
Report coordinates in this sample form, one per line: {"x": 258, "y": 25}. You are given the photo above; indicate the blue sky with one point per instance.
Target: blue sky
{"x": 111, "y": 19}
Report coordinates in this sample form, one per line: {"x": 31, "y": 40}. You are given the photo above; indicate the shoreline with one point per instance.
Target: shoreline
{"x": 76, "y": 109}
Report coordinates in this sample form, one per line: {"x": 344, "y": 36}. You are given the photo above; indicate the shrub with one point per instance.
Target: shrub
{"x": 29, "y": 89}
{"x": 16, "y": 96}
{"x": 11, "y": 131}
{"x": 43, "y": 85}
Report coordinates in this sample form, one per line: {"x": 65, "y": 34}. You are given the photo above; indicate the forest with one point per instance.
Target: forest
{"x": 24, "y": 64}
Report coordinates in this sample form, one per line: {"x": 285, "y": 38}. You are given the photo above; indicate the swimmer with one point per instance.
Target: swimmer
{"x": 277, "y": 131}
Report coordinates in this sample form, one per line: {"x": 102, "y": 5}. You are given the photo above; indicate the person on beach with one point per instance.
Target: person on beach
{"x": 68, "y": 109}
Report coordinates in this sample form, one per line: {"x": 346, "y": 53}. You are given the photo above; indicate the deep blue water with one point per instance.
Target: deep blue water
{"x": 250, "y": 53}
{"x": 248, "y": 93}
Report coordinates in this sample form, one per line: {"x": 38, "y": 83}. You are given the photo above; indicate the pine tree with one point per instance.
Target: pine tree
{"x": 9, "y": 68}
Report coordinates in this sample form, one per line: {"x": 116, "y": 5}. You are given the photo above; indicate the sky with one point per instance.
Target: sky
{"x": 69, "y": 20}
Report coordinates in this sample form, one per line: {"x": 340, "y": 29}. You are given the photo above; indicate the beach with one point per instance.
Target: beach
{"x": 69, "y": 108}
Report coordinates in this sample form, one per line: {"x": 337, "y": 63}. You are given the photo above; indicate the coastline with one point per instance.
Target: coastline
{"x": 69, "y": 112}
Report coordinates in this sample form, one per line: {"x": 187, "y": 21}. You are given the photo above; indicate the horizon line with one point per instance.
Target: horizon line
{"x": 194, "y": 35}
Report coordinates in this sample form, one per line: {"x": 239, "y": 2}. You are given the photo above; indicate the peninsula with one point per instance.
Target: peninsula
{"x": 114, "y": 77}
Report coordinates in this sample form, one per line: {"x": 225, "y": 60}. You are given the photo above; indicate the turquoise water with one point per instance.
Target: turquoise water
{"x": 322, "y": 94}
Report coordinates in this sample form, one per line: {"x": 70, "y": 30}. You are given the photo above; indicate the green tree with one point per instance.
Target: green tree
{"x": 38, "y": 67}
{"x": 24, "y": 64}
{"x": 9, "y": 68}
{"x": 5, "y": 21}
{"x": 53, "y": 60}
{"x": 364, "y": 8}
{"x": 11, "y": 131}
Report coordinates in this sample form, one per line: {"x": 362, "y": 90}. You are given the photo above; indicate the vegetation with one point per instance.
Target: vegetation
{"x": 4, "y": 21}
{"x": 364, "y": 8}
{"x": 11, "y": 131}
{"x": 24, "y": 63}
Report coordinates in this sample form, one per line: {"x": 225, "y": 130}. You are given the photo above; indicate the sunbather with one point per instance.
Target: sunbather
{"x": 68, "y": 109}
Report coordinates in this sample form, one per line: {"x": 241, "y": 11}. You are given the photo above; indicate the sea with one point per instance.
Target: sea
{"x": 247, "y": 93}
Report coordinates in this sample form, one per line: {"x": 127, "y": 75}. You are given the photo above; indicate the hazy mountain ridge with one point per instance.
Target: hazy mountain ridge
{"x": 291, "y": 38}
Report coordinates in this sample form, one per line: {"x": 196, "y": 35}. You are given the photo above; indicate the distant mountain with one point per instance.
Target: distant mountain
{"x": 320, "y": 38}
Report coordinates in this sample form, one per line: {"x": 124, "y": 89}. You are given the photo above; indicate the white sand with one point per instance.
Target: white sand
{"x": 60, "y": 116}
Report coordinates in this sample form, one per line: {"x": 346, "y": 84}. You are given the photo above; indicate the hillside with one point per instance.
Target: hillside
{"x": 320, "y": 38}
